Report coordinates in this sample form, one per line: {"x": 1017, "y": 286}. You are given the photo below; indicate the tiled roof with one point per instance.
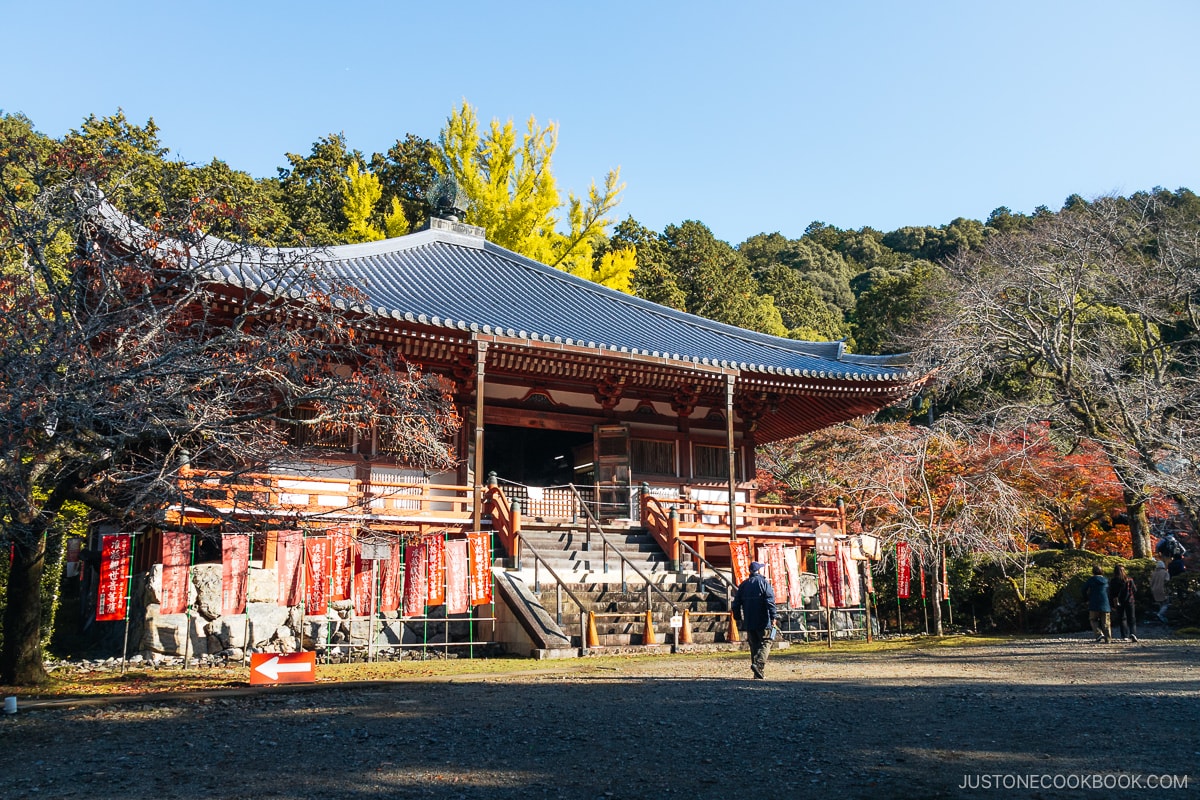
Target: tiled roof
{"x": 463, "y": 282}
{"x": 446, "y": 278}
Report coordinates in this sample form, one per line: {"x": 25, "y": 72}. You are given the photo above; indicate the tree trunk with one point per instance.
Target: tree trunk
{"x": 21, "y": 660}
{"x": 1139, "y": 524}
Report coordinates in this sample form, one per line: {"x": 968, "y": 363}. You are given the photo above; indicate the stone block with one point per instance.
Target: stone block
{"x": 265, "y": 620}
{"x": 206, "y": 580}
{"x": 262, "y": 586}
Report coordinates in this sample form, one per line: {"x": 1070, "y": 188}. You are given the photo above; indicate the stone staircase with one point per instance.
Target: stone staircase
{"x": 577, "y": 557}
{"x": 707, "y": 612}
{"x": 598, "y": 582}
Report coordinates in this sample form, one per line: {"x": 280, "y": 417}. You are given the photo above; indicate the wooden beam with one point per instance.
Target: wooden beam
{"x": 730, "y": 381}
{"x": 480, "y": 368}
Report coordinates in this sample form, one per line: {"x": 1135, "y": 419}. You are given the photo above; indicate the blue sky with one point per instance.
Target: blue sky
{"x": 751, "y": 117}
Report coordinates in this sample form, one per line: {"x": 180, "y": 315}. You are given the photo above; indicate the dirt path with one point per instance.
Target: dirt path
{"x": 921, "y": 722}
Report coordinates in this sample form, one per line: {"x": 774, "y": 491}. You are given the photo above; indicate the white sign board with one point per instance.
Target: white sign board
{"x": 374, "y": 551}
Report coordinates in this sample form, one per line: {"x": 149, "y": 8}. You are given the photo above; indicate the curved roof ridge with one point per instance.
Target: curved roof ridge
{"x": 648, "y": 306}
{"x": 468, "y": 283}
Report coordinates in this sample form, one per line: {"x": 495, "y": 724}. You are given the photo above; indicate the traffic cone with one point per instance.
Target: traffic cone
{"x": 592, "y": 639}
{"x": 733, "y": 631}
{"x": 648, "y": 636}
{"x": 685, "y": 633}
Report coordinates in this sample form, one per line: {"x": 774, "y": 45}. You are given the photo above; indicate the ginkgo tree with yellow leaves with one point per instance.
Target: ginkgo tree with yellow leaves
{"x": 360, "y": 193}
{"x": 512, "y": 194}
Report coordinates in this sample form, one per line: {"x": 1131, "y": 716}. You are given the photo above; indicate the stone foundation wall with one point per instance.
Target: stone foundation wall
{"x": 267, "y": 627}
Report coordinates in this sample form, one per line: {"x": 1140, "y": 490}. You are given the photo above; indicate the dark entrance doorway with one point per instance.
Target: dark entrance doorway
{"x": 536, "y": 457}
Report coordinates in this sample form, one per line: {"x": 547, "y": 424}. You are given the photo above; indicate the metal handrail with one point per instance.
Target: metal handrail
{"x": 729, "y": 585}
{"x": 559, "y": 586}
{"x": 591, "y": 519}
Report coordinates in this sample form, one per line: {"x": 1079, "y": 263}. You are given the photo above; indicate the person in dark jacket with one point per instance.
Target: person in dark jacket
{"x": 1120, "y": 596}
{"x": 754, "y": 610}
{"x": 1096, "y": 592}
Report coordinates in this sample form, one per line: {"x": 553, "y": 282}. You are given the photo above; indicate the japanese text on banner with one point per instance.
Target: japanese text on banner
{"x": 288, "y": 555}
{"x": 114, "y": 577}
{"x": 739, "y": 552}
{"x": 415, "y": 586}
{"x": 389, "y": 578}
{"x": 235, "y": 565}
{"x": 316, "y": 574}
{"x": 479, "y": 556}
{"x": 177, "y": 555}
{"x": 903, "y": 570}
{"x": 341, "y": 568}
{"x": 436, "y": 555}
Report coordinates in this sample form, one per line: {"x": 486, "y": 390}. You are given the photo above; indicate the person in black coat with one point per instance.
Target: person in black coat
{"x": 754, "y": 609}
{"x": 1120, "y": 596}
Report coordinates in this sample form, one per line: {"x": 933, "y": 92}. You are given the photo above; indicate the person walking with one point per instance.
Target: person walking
{"x": 1158, "y": 589}
{"x": 754, "y": 609}
{"x": 1120, "y": 596}
{"x": 1096, "y": 592}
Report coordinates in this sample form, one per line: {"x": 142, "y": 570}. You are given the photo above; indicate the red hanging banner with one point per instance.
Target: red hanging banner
{"x": 458, "y": 600}
{"x": 739, "y": 554}
{"x": 176, "y": 558}
{"x": 415, "y": 587}
{"x": 479, "y": 567}
{"x": 364, "y": 585}
{"x": 435, "y": 547}
{"x": 829, "y": 577}
{"x": 341, "y": 563}
{"x": 235, "y": 566}
{"x": 921, "y": 567}
{"x": 389, "y": 578}
{"x": 777, "y": 572}
{"x": 114, "y": 577}
{"x": 945, "y": 579}
{"x": 289, "y": 550}
{"x": 316, "y": 574}
{"x": 903, "y": 570}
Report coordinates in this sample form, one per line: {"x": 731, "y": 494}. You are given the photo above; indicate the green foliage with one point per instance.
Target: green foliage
{"x": 1046, "y": 594}
{"x": 936, "y": 244}
{"x": 127, "y": 158}
{"x": 716, "y": 281}
{"x": 311, "y": 192}
{"x": 897, "y": 304}
{"x": 653, "y": 278}
{"x": 406, "y": 171}
{"x": 803, "y": 311}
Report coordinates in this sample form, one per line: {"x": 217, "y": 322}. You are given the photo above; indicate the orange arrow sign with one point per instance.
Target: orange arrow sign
{"x": 268, "y": 668}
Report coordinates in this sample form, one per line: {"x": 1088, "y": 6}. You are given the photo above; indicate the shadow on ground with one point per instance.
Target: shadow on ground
{"x": 919, "y": 723}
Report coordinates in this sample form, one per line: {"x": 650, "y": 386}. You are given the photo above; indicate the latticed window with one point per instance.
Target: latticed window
{"x": 319, "y": 435}
{"x": 713, "y": 462}
{"x": 653, "y": 456}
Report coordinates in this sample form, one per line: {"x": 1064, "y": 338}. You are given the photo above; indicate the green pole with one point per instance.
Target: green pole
{"x": 128, "y": 599}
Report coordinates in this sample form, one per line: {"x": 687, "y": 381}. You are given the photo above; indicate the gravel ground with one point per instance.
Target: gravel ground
{"x": 1023, "y": 716}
